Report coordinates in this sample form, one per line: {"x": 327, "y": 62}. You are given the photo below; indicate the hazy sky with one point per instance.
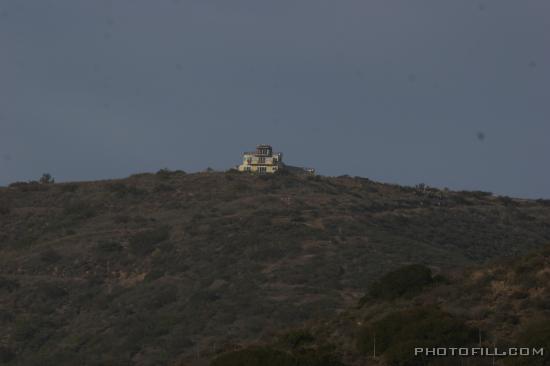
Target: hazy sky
{"x": 445, "y": 92}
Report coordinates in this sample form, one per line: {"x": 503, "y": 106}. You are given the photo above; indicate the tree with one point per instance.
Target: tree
{"x": 405, "y": 281}
{"x": 46, "y": 178}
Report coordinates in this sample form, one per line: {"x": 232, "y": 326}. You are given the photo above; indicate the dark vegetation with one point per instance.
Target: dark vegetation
{"x": 294, "y": 348}
{"x": 145, "y": 242}
{"x": 267, "y": 356}
{"x": 504, "y": 303}
{"x": 535, "y": 333}
{"x": 405, "y": 281}
{"x": 173, "y": 268}
{"x": 400, "y": 331}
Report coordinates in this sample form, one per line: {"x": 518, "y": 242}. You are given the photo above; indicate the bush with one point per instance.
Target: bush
{"x": 123, "y": 190}
{"x": 46, "y": 178}
{"x": 108, "y": 247}
{"x": 164, "y": 173}
{"x": 398, "y": 333}
{"x": 69, "y": 187}
{"x": 51, "y": 291}
{"x": 255, "y": 356}
{"x": 80, "y": 210}
{"x": 544, "y": 202}
{"x": 405, "y": 281}
{"x": 31, "y": 186}
{"x": 507, "y": 201}
{"x": 297, "y": 338}
{"x": 50, "y": 256}
{"x": 121, "y": 219}
{"x": 8, "y": 285}
{"x": 163, "y": 188}
{"x": 268, "y": 356}
{"x": 144, "y": 242}
{"x": 4, "y": 209}
{"x": 314, "y": 357}
{"x": 6, "y": 354}
{"x": 161, "y": 296}
{"x": 153, "y": 275}
{"x": 478, "y": 194}
{"x": 25, "y": 329}
{"x": 534, "y": 334}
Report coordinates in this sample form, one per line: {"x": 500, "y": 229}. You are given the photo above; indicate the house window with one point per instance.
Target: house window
{"x": 261, "y": 160}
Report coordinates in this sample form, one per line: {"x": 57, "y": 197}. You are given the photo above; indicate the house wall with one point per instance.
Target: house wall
{"x": 249, "y": 159}
{"x": 257, "y": 168}
{"x": 259, "y": 164}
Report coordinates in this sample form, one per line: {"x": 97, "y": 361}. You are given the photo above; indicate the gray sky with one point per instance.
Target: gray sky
{"x": 449, "y": 93}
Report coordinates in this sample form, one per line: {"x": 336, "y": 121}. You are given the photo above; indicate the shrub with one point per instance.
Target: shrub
{"x": 153, "y": 275}
{"x": 7, "y": 284}
{"x": 144, "y": 243}
{"x": 24, "y": 241}
{"x": 534, "y": 334}
{"x": 80, "y": 210}
{"x": 405, "y": 281}
{"x": 164, "y": 173}
{"x": 69, "y": 187}
{"x": 6, "y": 354}
{"x": 123, "y": 190}
{"x": 398, "y": 333}
{"x": 31, "y": 186}
{"x": 108, "y": 247}
{"x": 161, "y": 296}
{"x": 24, "y": 329}
{"x": 507, "y": 201}
{"x": 50, "y": 256}
{"x": 4, "y": 209}
{"x": 164, "y": 188}
{"x": 121, "y": 219}
{"x": 479, "y": 194}
{"x": 255, "y": 356}
{"x": 315, "y": 357}
{"x": 297, "y": 338}
{"x": 51, "y": 291}
{"x": 46, "y": 178}
{"x": 268, "y": 356}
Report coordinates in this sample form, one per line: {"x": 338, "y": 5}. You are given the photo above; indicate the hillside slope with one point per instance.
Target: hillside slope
{"x": 505, "y": 303}
{"x": 170, "y": 267}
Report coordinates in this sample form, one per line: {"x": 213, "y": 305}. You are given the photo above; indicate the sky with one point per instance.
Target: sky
{"x": 448, "y": 93}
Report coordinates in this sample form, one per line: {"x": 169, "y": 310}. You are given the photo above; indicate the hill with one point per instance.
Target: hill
{"x": 505, "y": 303}
{"x": 173, "y": 268}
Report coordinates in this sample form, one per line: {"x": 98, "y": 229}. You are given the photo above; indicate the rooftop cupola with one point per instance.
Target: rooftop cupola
{"x": 264, "y": 150}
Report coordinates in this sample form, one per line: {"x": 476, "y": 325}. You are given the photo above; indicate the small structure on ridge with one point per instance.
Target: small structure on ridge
{"x": 263, "y": 160}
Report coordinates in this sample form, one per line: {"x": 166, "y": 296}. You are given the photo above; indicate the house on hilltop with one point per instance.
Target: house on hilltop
{"x": 265, "y": 161}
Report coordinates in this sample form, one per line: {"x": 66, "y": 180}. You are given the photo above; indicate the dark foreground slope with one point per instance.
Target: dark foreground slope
{"x": 502, "y": 304}
{"x": 168, "y": 267}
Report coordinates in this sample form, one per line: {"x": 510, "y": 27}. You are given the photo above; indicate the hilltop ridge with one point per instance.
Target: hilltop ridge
{"x": 159, "y": 268}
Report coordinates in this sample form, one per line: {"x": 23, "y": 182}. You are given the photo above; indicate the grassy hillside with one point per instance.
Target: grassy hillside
{"x": 172, "y": 268}
{"x": 502, "y": 304}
